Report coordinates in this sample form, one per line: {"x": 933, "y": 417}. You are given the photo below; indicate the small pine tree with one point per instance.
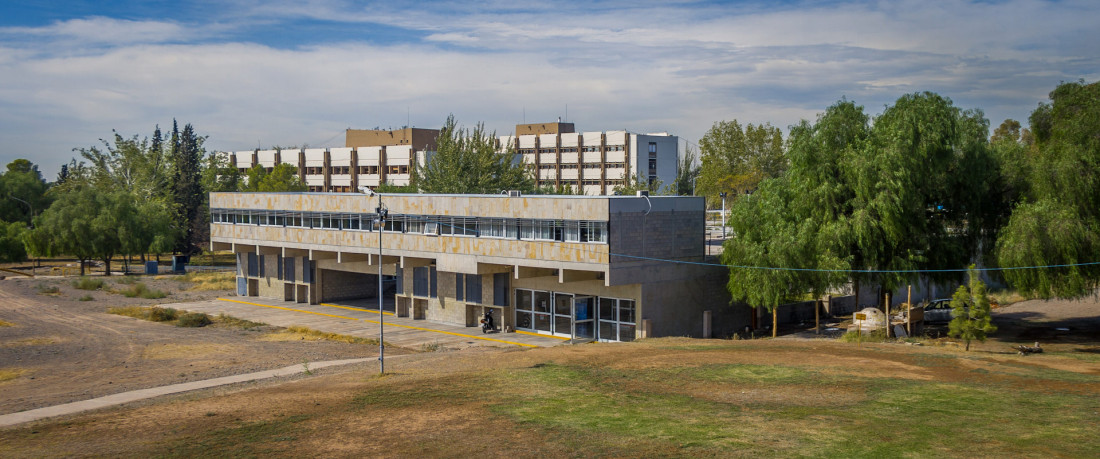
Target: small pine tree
{"x": 970, "y": 309}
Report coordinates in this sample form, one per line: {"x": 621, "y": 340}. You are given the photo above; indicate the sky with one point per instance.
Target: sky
{"x": 250, "y": 74}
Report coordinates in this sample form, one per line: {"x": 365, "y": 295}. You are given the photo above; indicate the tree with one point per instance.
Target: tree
{"x": 735, "y": 160}
{"x": 468, "y": 161}
{"x": 220, "y": 176}
{"x": 1057, "y": 219}
{"x": 905, "y": 194}
{"x": 186, "y": 193}
{"x": 12, "y": 247}
{"x": 799, "y": 220}
{"x": 283, "y": 177}
{"x": 970, "y": 310}
{"x": 67, "y": 228}
{"x": 687, "y": 171}
{"x": 632, "y": 187}
{"x": 22, "y": 192}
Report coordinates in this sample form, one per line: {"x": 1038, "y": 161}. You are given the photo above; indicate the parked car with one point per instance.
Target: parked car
{"x": 938, "y": 311}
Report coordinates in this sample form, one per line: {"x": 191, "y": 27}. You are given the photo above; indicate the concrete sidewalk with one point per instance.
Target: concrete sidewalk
{"x": 357, "y": 318}
{"x": 142, "y": 394}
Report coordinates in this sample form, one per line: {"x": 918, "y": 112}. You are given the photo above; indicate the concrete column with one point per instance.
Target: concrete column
{"x": 707, "y": 324}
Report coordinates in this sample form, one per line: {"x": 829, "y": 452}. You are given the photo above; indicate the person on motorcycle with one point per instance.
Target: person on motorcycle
{"x": 488, "y": 320}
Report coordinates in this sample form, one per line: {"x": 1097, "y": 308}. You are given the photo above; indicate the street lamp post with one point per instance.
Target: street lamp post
{"x": 382, "y": 214}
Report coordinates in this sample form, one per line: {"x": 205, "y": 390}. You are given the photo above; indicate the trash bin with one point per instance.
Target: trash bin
{"x": 151, "y": 267}
{"x": 179, "y": 264}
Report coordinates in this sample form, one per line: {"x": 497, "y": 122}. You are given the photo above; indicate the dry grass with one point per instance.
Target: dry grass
{"x": 230, "y": 321}
{"x": 8, "y": 374}
{"x": 655, "y": 398}
{"x": 1006, "y": 297}
{"x": 298, "y": 333}
{"x": 210, "y": 281}
{"x": 153, "y": 313}
{"x": 32, "y": 342}
{"x": 167, "y": 351}
{"x": 4, "y": 323}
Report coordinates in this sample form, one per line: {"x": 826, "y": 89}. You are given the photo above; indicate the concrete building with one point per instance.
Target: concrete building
{"x": 593, "y": 162}
{"x": 610, "y": 268}
{"x": 369, "y": 157}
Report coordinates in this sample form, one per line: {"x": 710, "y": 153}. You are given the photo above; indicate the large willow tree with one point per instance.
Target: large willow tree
{"x": 1057, "y": 221}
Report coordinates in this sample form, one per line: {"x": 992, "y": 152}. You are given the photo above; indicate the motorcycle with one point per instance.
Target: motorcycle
{"x": 487, "y": 323}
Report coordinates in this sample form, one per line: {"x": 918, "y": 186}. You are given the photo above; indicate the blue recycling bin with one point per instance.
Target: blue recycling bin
{"x": 151, "y": 268}
{"x": 179, "y": 264}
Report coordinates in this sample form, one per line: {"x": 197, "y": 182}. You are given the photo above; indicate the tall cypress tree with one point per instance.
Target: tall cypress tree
{"x": 186, "y": 191}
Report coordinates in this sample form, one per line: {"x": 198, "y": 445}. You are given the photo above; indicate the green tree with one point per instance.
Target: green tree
{"x": 735, "y": 160}
{"x": 1057, "y": 219}
{"x": 469, "y": 161}
{"x": 220, "y": 176}
{"x": 801, "y": 219}
{"x": 687, "y": 172}
{"x": 12, "y": 247}
{"x": 632, "y": 187}
{"x": 283, "y": 177}
{"x": 971, "y": 317}
{"x": 66, "y": 228}
{"x": 22, "y": 192}
{"x": 186, "y": 192}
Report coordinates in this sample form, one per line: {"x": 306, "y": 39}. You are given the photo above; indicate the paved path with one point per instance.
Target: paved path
{"x": 142, "y": 394}
{"x": 355, "y": 318}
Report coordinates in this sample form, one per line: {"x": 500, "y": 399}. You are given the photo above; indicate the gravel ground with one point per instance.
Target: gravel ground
{"x": 60, "y": 349}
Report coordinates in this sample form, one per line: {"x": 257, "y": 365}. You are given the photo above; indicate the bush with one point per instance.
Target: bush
{"x": 159, "y": 314}
{"x": 231, "y": 321}
{"x": 193, "y": 319}
{"x": 141, "y": 290}
{"x": 876, "y": 336}
{"x": 86, "y": 298}
{"x": 48, "y": 289}
{"x": 88, "y": 283}
{"x": 126, "y": 280}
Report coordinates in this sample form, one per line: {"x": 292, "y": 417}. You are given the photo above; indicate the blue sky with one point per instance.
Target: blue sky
{"x": 251, "y": 73}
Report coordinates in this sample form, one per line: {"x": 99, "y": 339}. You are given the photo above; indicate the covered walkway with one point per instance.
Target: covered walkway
{"x": 360, "y": 318}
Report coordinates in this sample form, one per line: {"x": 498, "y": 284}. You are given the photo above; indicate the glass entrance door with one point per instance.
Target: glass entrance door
{"x": 563, "y": 314}
{"x": 584, "y": 315}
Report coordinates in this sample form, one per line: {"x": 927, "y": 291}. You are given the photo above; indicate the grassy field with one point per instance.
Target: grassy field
{"x": 655, "y": 398}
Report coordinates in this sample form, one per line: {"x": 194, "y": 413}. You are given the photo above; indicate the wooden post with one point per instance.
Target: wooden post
{"x": 908, "y": 311}
{"x": 887, "y": 314}
{"x": 817, "y": 317}
{"x": 775, "y": 321}
{"x": 706, "y": 324}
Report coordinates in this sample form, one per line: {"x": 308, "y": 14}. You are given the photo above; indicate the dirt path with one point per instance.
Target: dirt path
{"x": 60, "y": 349}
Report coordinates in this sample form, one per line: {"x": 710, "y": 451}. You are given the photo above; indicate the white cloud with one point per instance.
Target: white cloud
{"x": 639, "y": 68}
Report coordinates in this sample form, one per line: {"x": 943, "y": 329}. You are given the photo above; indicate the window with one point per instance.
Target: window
{"x": 617, "y": 319}
{"x": 473, "y": 288}
{"x": 500, "y": 289}
{"x": 368, "y": 170}
{"x": 460, "y": 282}
{"x": 652, "y": 148}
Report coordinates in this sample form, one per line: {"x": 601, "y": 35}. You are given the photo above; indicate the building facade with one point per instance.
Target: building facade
{"x": 593, "y": 162}
{"x": 369, "y": 158}
{"x": 610, "y": 268}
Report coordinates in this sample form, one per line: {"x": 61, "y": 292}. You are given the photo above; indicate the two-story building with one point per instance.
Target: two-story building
{"x": 609, "y": 268}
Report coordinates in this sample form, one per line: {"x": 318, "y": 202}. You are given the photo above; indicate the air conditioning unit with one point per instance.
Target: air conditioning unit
{"x": 641, "y": 193}
{"x": 514, "y": 193}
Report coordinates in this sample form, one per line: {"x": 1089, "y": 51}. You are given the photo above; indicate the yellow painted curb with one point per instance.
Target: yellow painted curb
{"x": 540, "y": 334}
{"x": 387, "y": 324}
{"x": 287, "y": 309}
{"x": 356, "y": 309}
